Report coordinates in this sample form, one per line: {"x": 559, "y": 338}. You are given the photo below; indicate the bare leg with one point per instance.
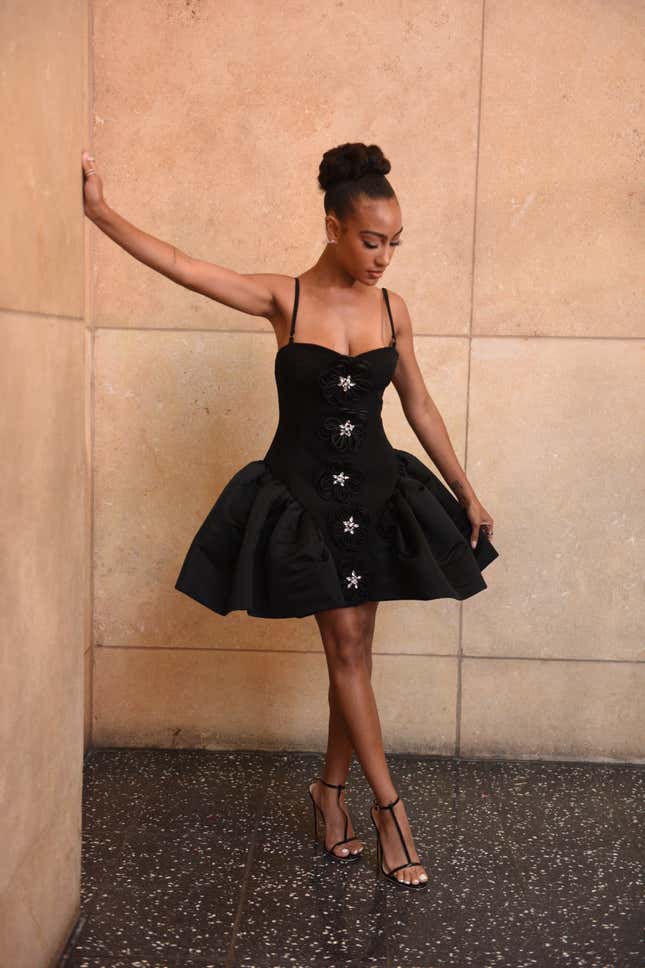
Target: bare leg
{"x": 339, "y": 743}
{"x": 347, "y": 637}
{"x": 337, "y": 761}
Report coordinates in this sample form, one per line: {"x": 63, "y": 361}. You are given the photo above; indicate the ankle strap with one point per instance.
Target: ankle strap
{"x": 386, "y": 806}
{"x": 335, "y": 786}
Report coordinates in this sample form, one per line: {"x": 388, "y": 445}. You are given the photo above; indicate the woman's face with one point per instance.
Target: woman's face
{"x": 369, "y": 237}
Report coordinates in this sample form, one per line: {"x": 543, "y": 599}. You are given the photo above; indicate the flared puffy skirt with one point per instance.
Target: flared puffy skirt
{"x": 261, "y": 551}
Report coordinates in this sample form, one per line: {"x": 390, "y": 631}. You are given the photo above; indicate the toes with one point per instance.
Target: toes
{"x": 412, "y": 878}
{"x": 353, "y": 850}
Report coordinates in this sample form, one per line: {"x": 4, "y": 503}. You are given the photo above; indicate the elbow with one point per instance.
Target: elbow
{"x": 418, "y": 410}
{"x": 181, "y": 266}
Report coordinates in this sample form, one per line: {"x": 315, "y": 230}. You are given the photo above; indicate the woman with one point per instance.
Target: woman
{"x": 333, "y": 519}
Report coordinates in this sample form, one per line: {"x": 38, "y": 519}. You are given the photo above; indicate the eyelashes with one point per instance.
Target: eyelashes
{"x": 368, "y": 246}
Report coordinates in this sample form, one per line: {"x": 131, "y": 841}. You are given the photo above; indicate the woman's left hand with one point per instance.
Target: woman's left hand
{"x": 479, "y": 518}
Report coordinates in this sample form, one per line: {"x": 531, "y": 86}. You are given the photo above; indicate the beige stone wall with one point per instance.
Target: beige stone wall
{"x": 515, "y": 132}
{"x": 516, "y": 144}
{"x": 44, "y": 435}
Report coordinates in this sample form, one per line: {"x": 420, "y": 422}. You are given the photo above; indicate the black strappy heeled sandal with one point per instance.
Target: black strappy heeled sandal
{"x": 330, "y": 850}
{"x": 379, "y": 849}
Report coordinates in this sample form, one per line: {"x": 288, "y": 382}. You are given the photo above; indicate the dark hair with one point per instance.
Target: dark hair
{"x": 350, "y": 170}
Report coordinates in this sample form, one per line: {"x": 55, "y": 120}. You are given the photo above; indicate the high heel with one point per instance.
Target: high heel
{"x": 330, "y": 850}
{"x": 379, "y": 849}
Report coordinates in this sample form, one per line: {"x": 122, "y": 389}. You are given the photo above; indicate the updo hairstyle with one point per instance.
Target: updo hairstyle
{"x": 350, "y": 170}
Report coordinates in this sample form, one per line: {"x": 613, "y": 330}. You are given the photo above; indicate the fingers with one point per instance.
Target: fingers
{"x": 474, "y": 538}
{"x": 88, "y": 167}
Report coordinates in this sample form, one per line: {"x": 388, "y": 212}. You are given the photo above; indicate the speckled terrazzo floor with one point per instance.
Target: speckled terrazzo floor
{"x": 198, "y": 858}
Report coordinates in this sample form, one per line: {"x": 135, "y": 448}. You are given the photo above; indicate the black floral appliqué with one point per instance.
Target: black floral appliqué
{"x": 349, "y": 525}
{"x": 340, "y": 481}
{"x": 345, "y": 430}
{"x": 345, "y": 381}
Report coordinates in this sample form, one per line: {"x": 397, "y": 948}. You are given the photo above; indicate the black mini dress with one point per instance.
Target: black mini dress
{"x": 332, "y": 515}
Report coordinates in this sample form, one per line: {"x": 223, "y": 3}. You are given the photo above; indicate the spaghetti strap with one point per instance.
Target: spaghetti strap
{"x": 295, "y": 309}
{"x": 389, "y": 312}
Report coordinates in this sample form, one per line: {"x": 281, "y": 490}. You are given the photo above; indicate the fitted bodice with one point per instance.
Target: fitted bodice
{"x": 329, "y": 448}
{"x": 315, "y": 382}
{"x": 330, "y": 431}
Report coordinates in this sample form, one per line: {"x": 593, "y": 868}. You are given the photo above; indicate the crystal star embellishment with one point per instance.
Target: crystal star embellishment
{"x": 350, "y": 525}
{"x": 353, "y": 579}
{"x": 345, "y": 382}
{"x": 346, "y": 428}
{"x": 340, "y": 478}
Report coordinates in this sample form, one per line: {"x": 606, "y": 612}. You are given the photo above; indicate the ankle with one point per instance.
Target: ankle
{"x": 331, "y": 785}
{"x": 388, "y": 797}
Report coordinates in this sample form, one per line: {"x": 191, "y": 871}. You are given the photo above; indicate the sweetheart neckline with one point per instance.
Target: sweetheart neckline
{"x": 345, "y": 356}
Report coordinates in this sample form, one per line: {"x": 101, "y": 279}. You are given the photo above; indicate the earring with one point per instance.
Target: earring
{"x": 332, "y": 241}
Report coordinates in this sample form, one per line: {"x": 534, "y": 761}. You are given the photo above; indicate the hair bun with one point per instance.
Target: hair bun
{"x": 350, "y": 161}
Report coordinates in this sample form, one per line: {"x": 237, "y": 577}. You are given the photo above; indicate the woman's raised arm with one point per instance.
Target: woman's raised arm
{"x": 252, "y": 294}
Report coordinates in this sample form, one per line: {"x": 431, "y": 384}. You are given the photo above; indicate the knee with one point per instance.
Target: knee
{"x": 351, "y": 652}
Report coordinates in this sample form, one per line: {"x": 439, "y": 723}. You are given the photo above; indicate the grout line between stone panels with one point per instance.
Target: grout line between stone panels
{"x": 473, "y": 253}
{"x": 65, "y": 317}
{"x": 11, "y": 311}
{"x": 409, "y": 655}
{"x": 89, "y": 316}
{"x": 607, "y": 337}
{"x": 258, "y": 332}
